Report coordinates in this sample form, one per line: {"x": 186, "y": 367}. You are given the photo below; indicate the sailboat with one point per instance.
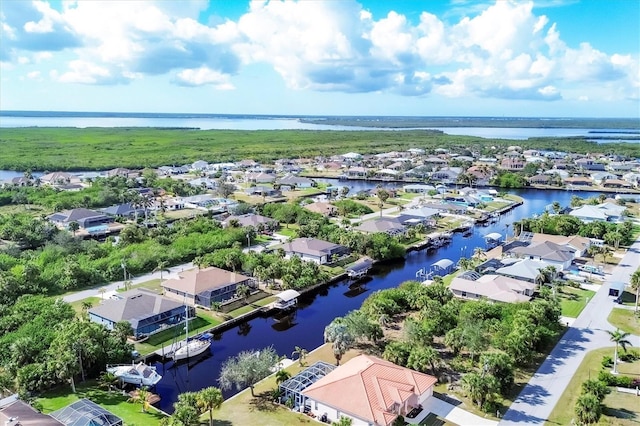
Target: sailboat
{"x": 190, "y": 348}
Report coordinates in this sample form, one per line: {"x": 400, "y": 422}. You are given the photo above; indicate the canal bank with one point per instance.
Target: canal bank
{"x": 304, "y": 327}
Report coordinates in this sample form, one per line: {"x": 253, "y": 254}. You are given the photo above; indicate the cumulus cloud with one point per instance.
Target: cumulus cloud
{"x": 503, "y": 49}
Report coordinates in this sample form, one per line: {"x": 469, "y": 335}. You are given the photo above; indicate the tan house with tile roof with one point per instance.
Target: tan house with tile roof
{"x": 205, "y": 286}
{"x": 370, "y": 391}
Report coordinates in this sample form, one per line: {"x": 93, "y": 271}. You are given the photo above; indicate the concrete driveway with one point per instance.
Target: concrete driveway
{"x": 454, "y": 414}
{"x": 588, "y": 332}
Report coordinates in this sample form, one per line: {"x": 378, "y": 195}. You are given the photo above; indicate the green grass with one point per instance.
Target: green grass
{"x": 573, "y": 300}
{"x": 589, "y": 368}
{"x": 114, "y": 402}
{"x": 265, "y": 301}
{"x": 290, "y": 232}
{"x": 241, "y": 311}
{"x": 625, "y": 320}
{"x": 77, "y": 305}
{"x": 153, "y": 285}
{"x": 165, "y": 337}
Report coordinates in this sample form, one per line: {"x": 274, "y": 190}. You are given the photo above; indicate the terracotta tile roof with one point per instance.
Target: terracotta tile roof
{"x": 368, "y": 387}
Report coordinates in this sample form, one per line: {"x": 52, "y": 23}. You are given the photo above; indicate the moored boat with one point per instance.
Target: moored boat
{"x": 135, "y": 374}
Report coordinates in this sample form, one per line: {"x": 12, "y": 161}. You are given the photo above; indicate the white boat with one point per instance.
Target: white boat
{"x": 135, "y": 374}
{"x": 190, "y": 348}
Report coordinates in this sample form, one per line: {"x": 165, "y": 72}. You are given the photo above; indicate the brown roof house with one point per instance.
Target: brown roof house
{"x": 20, "y": 413}
{"x": 204, "y": 286}
{"x": 313, "y": 250}
{"x": 497, "y": 288}
{"x": 369, "y": 390}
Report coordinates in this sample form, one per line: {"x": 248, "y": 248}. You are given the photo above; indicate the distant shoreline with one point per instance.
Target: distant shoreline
{"x": 383, "y": 122}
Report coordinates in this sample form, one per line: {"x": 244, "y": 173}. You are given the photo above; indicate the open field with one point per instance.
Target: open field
{"x": 113, "y": 401}
{"x": 107, "y": 148}
{"x": 616, "y": 404}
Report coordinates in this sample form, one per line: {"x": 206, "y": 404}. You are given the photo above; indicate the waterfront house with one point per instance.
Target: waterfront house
{"x": 263, "y": 191}
{"x": 601, "y": 177}
{"x": 522, "y": 269}
{"x": 497, "y": 288}
{"x": 605, "y": 212}
{"x": 59, "y": 178}
{"x": 540, "y": 179}
{"x": 547, "y": 251}
{"x": 18, "y": 412}
{"x": 296, "y": 182}
{"x": 313, "y": 249}
{"x": 368, "y": 390}
{"x": 418, "y": 188}
{"x": 616, "y": 183}
{"x": 576, "y": 243}
{"x": 388, "y": 225}
{"x": 86, "y": 218}
{"x": 146, "y": 311}
{"x": 85, "y": 412}
{"x": 202, "y": 287}
{"x": 578, "y": 181}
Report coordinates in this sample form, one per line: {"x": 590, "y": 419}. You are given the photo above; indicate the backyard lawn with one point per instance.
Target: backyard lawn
{"x": 619, "y": 409}
{"x": 165, "y": 337}
{"x": 113, "y": 401}
{"x": 625, "y": 320}
{"x": 243, "y": 409}
{"x": 573, "y": 300}
{"x": 77, "y": 305}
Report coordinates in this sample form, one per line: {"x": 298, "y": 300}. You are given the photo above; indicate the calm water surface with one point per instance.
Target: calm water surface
{"x": 305, "y": 327}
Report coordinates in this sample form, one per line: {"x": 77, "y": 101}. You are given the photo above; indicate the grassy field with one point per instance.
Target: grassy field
{"x": 625, "y": 320}
{"x": 617, "y": 404}
{"x": 111, "y": 401}
{"x": 573, "y": 300}
{"x": 153, "y": 285}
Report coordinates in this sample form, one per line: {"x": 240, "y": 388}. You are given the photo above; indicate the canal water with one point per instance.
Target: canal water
{"x": 305, "y": 326}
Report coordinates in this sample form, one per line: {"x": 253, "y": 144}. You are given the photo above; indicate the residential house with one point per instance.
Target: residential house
{"x": 369, "y": 391}
{"x": 446, "y": 175}
{"x": 607, "y": 212}
{"x": 616, "y": 183}
{"x": 202, "y": 287}
{"x": 578, "y": 181}
{"x": 127, "y": 210}
{"x": 18, "y": 412}
{"x": 578, "y": 244}
{"x": 59, "y": 178}
{"x": 493, "y": 287}
{"x": 295, "y": 182}
{"x": 552, "y": 253}
{"x": 522, "y": 269}
{"x": 325, "y": 209}
{"x": 263, "y": 191}
{"x": 601, "y": 177}
{"x": 418, "y": 188}
{"x": 512, "y": 163}
{"x": 204, "y": 182}
{"x": 260, "y": 177}
{"x": 250, "y": 219}
{"x": 540, "y": 179}
{"x": 84, "y": 217}
{"x": 420, "y": 215}
{"x": 356, "y": 172}
{"x": 390, "y": 226}
{"x": 589, "y": 164}
{"x": 199, "y": 166}
{"x": 146, "y": 311}
{"x": 121, "y": 171}
{"x": 313, "y": 250}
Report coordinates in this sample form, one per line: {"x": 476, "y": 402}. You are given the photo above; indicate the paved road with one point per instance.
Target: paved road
{"x": 588, "y": 332}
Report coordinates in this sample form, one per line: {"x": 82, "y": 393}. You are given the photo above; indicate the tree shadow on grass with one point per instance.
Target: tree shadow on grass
{"x": 264, "y": 402}
{"x": 620, "y": 413}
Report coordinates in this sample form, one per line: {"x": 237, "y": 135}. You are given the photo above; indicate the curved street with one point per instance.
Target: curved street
{"x": 588, "y": 332}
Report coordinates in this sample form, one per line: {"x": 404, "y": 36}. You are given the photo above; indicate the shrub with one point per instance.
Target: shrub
{"x": 607, "y": 361}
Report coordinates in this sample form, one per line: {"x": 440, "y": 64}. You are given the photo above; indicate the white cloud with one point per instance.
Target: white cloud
{"x": 503, "y": 49}
{"x": 203, "y": 76}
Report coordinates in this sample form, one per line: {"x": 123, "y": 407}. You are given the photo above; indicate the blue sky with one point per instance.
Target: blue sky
{"x": 320, "y": 57}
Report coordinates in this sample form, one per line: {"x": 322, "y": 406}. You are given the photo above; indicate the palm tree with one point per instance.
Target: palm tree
{"x": 479, "y": 253}
{"x": 102, "y": 291}
{"x": 242, "y": 291}
{"x": 340, "y": 337}
{"x": 141, "y": 396}
{"x": 282, "y": 376}
{"x": 302, "y": 354}
{"x": 86, "y": 305}
{"x": 161, "y": 266}
{"x": 635, "y": 284}
{"x": 74, "y": 227}
{"x": 108, "y": 380}
{"x": 209, "y": 399}
{"x": 620, "y": 339}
